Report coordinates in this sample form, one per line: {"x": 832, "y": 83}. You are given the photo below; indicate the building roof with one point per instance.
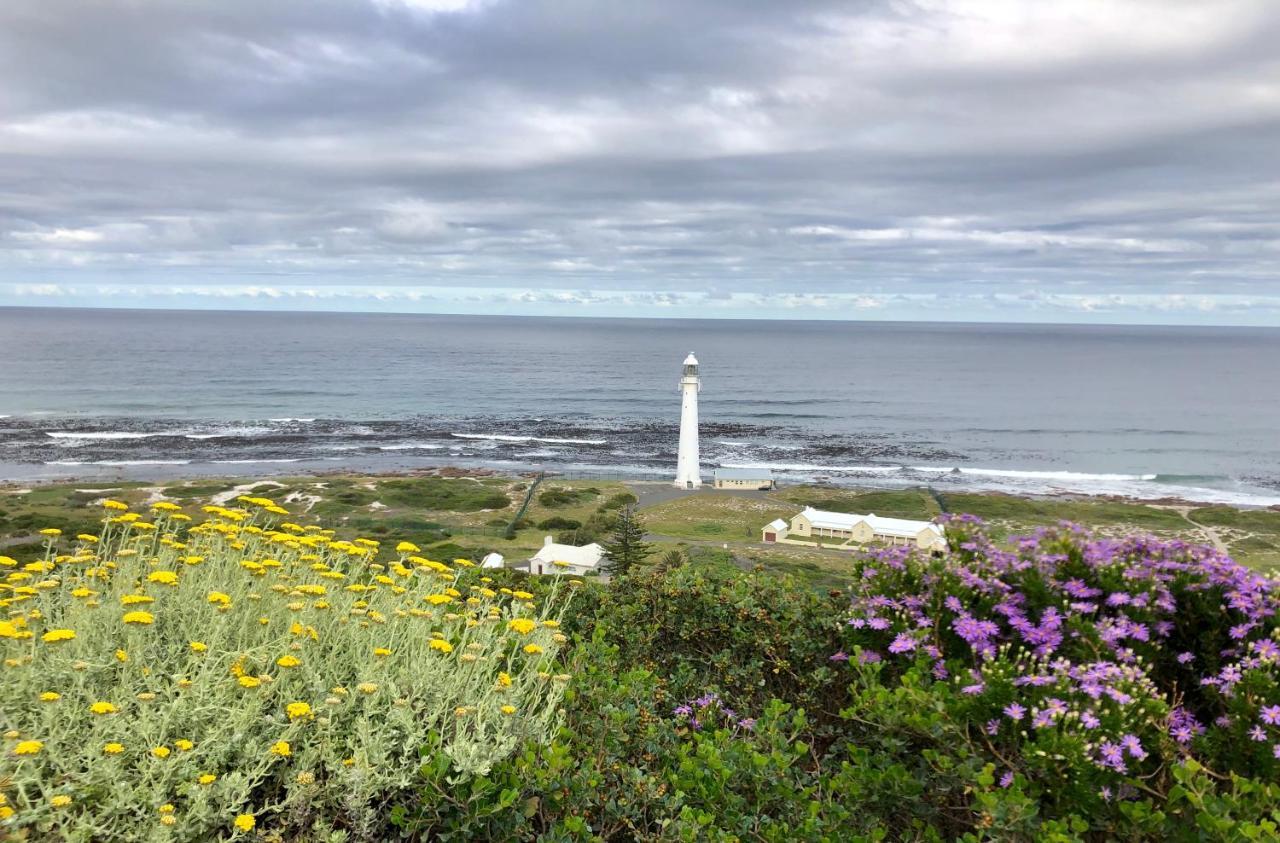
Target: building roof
{"x": 586, "y": 556}
{"x": 690, "y": 360}
{"x": 743, "y": 473}
{"x": 879, "y": 525}
{"x": 492, "y": 560}
{"x": 778, "y": 524}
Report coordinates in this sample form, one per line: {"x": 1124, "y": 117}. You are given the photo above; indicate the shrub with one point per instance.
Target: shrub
{"x": 235, "y": 668}
{"x": 619, "y": 501}
{"x": 556, "y": 522}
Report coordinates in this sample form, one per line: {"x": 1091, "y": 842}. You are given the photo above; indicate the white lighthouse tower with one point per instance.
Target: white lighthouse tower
{"x": 688, "y": 473}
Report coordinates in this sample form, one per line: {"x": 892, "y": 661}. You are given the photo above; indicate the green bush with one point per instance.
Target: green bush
{"x": 556, "y": 522}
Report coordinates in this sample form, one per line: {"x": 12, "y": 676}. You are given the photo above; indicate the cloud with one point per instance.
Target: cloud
{"x": 882, "y": 152}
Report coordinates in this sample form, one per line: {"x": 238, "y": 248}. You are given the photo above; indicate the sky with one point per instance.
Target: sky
{"x": 988, "y": 160}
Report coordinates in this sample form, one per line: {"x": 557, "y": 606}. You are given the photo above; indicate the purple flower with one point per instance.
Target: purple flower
{"x": 1270, "y": 714}
{"x": 1275, "y": 750}
{"x": 993, "y": 726}
{"x": 903, "y": 643}
{"x": 1014, "y": 711}
{"x": 971, "y": 690}
{"x": 683, "y": 711}
{"x": 878, "y": 623}
{"x": 1111, "y": 756}
{"x": 1186, "y": 658}
{"x": 869, "y": 657}
{"x": 1090, "y": 720}
{"x": 840, "y": 657}
{"x": 1006, "y": 779}
{"x": 1133, "y": 746}
{"x": 747, "y": 723}
{"x": 1258, "y": 734}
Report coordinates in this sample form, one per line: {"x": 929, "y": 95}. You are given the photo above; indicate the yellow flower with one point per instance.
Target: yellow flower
{"x": 118, "y": 505}
{"x": 381, "y": 651}
{"x": 198, "y": 646}
{"x": 245, "y": 822}
{"x": 5, "y": 812}
{"x": 135, "y": 599}
{"x": 438, "y": 599}
{"x": 522, "y": 595}
{"x": 288, "y": 661}
{"x": 296, "y": 710}
{"x": 101, "y": 707}
{"x": 407, "y": 547}
{"x": 217, "y": 598}
{"x": 60, "y": 801}
{"x": 122, "y": 656}
{"x": 249, "y": 681}
{"x": 282, "y": 749}
{"x": 184, "y": 744}
{"x": 50, "y": 696}
{"x": 51, "y": 532}
{"x": 28, "y": 747}
{"x": 166, "y": 808}
{"x": 367, "y": 687}
{"x": 522, "y": 625}
{"x": 441, "y": 645}
{"x": 163, "y": 577}
{"x": 140, "y": 618}
{"x": 160, "y": 751}
{"x": 508, "y": 709}
{"x": 55, "y": 635}
{"x": 532, "y": 649}
{"x": 113, "y": 748}
{"x": 207, "y": 778}
{"x": 168, "y": 819}
{"x": 504, "y": 679}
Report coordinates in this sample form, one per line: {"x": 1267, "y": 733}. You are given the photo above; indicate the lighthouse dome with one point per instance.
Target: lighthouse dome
{"x": 690, "y": 360}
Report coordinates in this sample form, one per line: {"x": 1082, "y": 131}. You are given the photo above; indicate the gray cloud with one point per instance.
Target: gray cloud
{"x": 1046, "y": 154}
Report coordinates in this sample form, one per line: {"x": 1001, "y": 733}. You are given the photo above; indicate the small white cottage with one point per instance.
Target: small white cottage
{"x": 570, "y": 559}
{"x": 492, "y": 560}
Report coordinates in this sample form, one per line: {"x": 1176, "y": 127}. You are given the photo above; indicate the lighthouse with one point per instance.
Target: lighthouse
{"x": 688, "y": 475}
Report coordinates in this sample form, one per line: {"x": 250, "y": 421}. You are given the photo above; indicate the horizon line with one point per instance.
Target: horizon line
{"x": 674, "y": 317}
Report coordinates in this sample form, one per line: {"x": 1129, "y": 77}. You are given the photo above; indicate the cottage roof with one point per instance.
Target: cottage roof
{"x": 778, "y": 524}
{"x": 879, "y": 525}
{"x": 586, "y": 556}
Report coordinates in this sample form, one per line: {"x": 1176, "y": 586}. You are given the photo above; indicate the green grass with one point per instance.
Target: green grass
{"x": 716, "y": 517}
{"x": 907, "y": 503}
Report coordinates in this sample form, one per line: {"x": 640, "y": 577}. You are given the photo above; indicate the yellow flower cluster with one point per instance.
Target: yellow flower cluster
{"x": 186, "y": 655}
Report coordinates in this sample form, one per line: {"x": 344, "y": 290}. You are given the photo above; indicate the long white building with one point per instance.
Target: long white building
{"x": 859, "y": 529}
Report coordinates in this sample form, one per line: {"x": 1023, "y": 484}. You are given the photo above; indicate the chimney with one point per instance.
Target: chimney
{"x": 547, "y": 542}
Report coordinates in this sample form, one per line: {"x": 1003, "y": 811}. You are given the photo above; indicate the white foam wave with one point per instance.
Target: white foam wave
{"x": 411, "y": 446}
{"x": 1030, "y": 475}
{"x": 731, "y": 443}
{"x": 103, "y": 434}
{"x": 501, "y": 437}
{"x": 246, "y": 462}
{"x": 287, "y": 420}
{"x": 804, "y": 466}
{"x": 229, "y": 432}
{"x": 120, "y": 462}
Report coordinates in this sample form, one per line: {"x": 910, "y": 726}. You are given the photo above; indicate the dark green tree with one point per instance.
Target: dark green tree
{"x": 626, "y": 547}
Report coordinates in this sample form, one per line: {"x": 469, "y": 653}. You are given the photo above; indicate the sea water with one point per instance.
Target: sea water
{"x": 1137, "y": 411}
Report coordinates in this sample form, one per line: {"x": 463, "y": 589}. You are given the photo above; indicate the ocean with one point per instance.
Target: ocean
{"x": 1143, "y": 412}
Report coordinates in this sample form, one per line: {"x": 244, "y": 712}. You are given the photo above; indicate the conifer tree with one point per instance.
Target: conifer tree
{"x": 626, "y": 547}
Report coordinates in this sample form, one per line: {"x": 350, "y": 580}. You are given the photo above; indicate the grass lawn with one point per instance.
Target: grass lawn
{"x": 714, "y": 517}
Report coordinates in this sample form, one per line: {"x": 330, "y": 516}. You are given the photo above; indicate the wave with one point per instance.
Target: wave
{"x": 804, "y": 466}
{"x": 502, "y": 437}
{"x": 105, "y": 434}
{"x": 731, "y": 443}
{"x": 1030, "y": 475}
{"x": 411, "y": 446}
{"x": 246, "y": 462}
{"x": 120, "y": 462}
{"x": 287, "y": 420}
{"x": 230, "y": 433}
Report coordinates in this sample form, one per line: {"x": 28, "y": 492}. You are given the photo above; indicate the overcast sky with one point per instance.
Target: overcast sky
{"x": 1116, "y": 160}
